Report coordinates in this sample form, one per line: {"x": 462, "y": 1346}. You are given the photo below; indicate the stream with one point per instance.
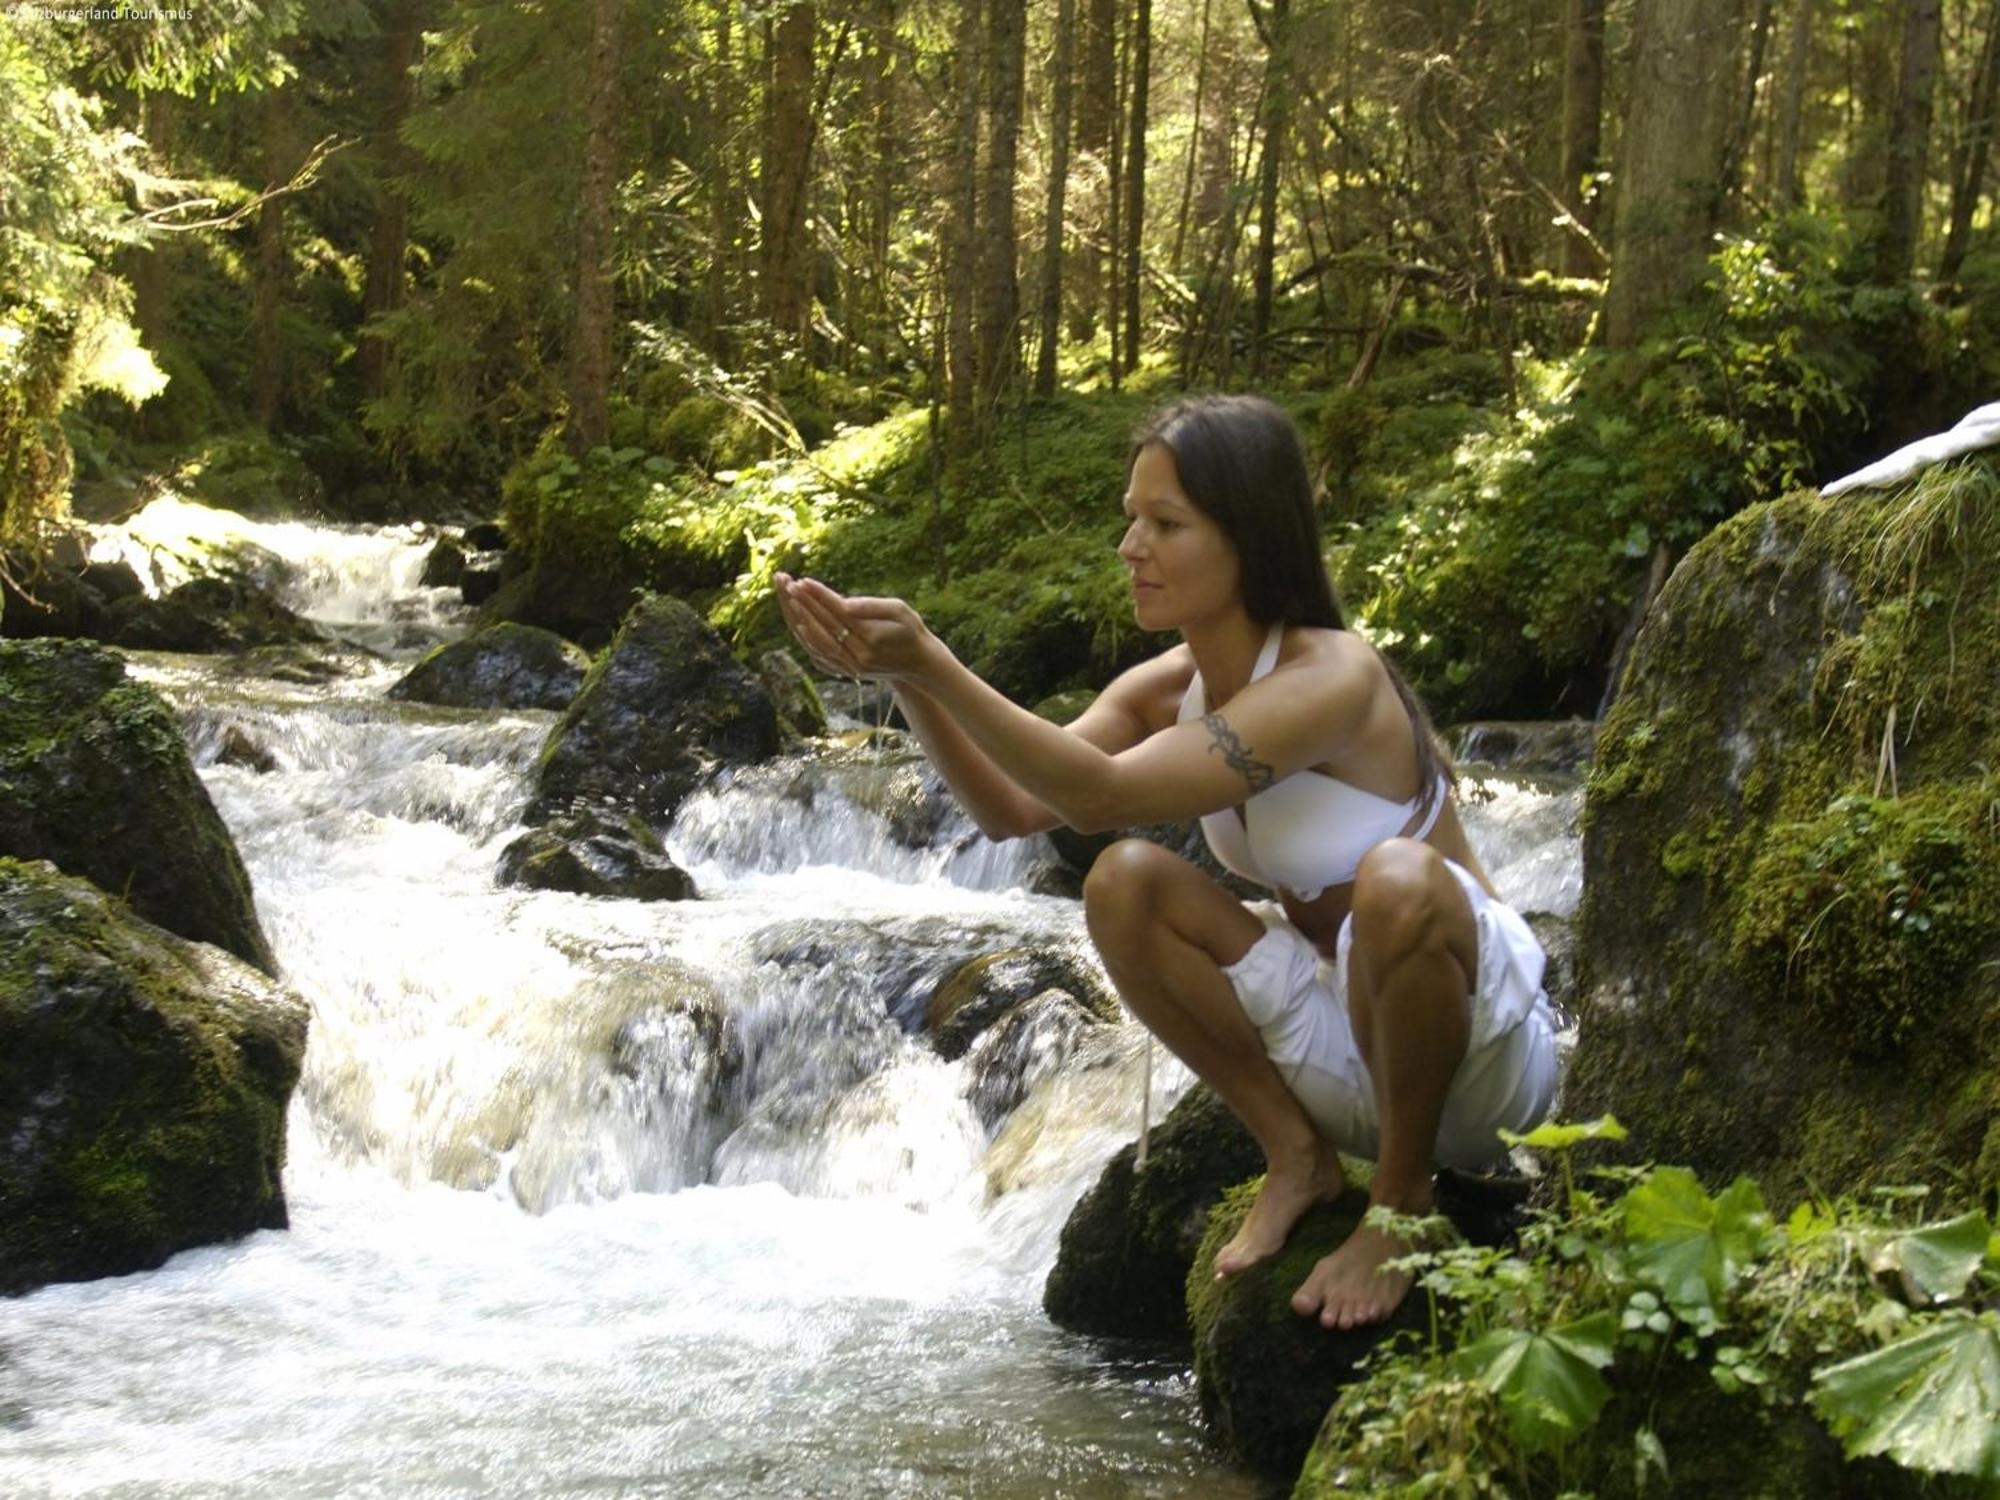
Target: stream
{"x": 593, "y": 1196}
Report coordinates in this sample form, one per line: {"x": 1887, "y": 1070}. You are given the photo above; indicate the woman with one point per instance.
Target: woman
{"x": 1388, "y": 1003}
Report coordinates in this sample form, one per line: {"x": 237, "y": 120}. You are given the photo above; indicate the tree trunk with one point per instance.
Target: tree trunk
{"x": 1969, "y": 162}
{"x": 389, "y": 236}
{"x": 590, "y": 334}
{"x": 881, "y": 114}
{"x": 1675, "y": 128}
{"x": 267, "y": 378}
{"x": 1094, "y": 109}
{"x": 722, "y": 208}
{"x": 1798, "y": 62}
{"x": 1909, "y": 142}
{"x": 999, "y": 285}
{"x": 1277, "y": 114}
{"x": 1744, "y": 128}
{"x": 1583, "y": 126}
{"x": 1194, "y": 140}
{"x": 1052, "y": 218}
{"x": 786, "y": 170}
{"x": 961, "y": 235}
{"x": 1135, "y": 177}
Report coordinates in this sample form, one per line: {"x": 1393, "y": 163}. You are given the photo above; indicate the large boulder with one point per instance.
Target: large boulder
{"x": 664, "y": 706}
{"x": 143, "y": 1086}
{"x": 1122, "y": 1267}
{"x": 206, "y": 615}
{"x": 1789, "y": 946}
{"x": 95, "y": 777}
{"x": 502, "y": 666}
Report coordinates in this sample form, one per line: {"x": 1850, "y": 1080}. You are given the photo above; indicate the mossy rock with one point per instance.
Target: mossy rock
{"x": 659, "y": 710}
{"x": 1122, "y": 1267}
{"x": 502, "y": 666}
{"x": 1789, "y": 952}
{"x": 143, "y": 1086}
{"x": 1264, "y": 1374}
{"x": 980, "y": 991}
{"x": 95, "y": 777}
{"x": 206, "y": 616}
{"x": 593, "y": 852}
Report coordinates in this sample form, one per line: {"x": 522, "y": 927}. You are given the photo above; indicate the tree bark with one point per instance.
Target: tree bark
{"x": 1094, "y": 111}
{"x": 1676, "y": 124}
{"x": 1277, "y": 118}
{"x": 961, "y": 236}
{"x": 787, "y": 169}
{"x": 881, "y": 112}
{"x": 999, "y": 294}
{"x": 389, "y": 236}
{"x": 152, "y": 310}
{"x": 1134, "y": 226}
{"x": 1969, "y": 162}
{"x": 1909, "y": 142}
{"x": 722, "y": 206}
{"x": 590, "y": 333}
{"x": 1798, "y": 62}
{"x": 1052, "y": 219}
{"x": 1194, "y": 139}
{"x": 1744, "y": 127}
{"x": 1583, "y": 126}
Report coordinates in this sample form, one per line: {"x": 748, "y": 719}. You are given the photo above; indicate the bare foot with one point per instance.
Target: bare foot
{"x": 1287, "y": 1193}
{"x": 1351, "y": 1287}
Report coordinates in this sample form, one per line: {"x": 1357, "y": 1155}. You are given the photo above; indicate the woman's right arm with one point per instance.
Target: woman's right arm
{"x": 1114, "y": 721}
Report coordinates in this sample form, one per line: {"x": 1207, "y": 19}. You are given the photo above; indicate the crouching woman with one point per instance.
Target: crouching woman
{"x": 1387, "y": 1003}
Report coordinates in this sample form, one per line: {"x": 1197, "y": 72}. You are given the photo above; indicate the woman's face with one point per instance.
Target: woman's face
{"x": 1183, "y": 568}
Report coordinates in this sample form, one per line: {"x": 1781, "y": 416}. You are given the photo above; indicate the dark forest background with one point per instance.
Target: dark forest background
{"x": 691, "y": 292}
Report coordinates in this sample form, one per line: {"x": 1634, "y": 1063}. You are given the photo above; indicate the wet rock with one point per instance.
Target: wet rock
{"x": 792, "y": 694}
{"x": 444, "y": 568}
{"x": 1533, "y": 746}
{"x": 1755, "y": 994}
{"x": 486, "y": 536}
{"x": 112, "y": 581}
{"x": 1557, "y": 936}
{"x": 143, "y": 1086}
{"x": 94, "y": 776}
{"x": 977, "y": 993}
{"x": 502, "y": 666}
{"x": 479, "y": 577}
{"x": 207, "y": 616}
{"x": 239, "y": 749}
{"x": 592, "y": 852}
{"x": 1122, "y": 1267}
{"x": 866, "y": 703}
{"x": 305, "y": 663}
{"x": 665, "y": 706}
{"x": 1030, "y": 1041}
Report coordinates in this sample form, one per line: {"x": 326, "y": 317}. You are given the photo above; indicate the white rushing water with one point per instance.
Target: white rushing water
{"x": 596, "y": 1196}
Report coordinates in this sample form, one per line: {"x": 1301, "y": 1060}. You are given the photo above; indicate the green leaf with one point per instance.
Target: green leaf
{"x": 1550, "y": 1136}
{"x": 1936, "y": 1262}
{"x": 1930, "y": 1401}
{"x": 1547, "y": 1382}
{"x": 1691, "y": 1246}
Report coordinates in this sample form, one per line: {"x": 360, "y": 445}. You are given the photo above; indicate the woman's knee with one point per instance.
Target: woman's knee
{"x": 1122, "y": 891}
{"x": 1400, "y": 901}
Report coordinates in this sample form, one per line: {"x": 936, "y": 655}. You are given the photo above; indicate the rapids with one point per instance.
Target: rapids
{"x": 591, "y": 1195}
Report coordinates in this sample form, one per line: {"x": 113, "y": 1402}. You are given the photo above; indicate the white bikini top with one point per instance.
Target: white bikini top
{"x": 1308, "y": 830}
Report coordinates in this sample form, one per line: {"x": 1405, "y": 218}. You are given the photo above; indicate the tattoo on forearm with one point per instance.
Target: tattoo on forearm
{"x": 1236, "y": 755}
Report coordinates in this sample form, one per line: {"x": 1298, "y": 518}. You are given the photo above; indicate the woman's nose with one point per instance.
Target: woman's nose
{"x": 1128, "y": 544}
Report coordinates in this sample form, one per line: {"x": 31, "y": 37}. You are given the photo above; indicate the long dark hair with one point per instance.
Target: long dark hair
{"x": 1240, "y": 461}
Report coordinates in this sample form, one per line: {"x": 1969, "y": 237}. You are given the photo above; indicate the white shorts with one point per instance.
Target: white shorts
{"x": 1297, "y": 1000}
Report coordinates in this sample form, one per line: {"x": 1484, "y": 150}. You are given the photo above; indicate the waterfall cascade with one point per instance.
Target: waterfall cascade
{"x": 590, "y": 1194}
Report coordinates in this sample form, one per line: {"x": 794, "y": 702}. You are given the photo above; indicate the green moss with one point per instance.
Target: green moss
{"x": 1791, "y": 855}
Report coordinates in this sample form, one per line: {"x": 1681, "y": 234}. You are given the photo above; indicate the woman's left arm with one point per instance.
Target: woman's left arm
{"x": 1282, "y": 723}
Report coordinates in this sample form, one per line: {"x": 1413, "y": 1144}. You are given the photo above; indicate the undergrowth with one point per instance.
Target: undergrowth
{"x": 1647, "y": 1337}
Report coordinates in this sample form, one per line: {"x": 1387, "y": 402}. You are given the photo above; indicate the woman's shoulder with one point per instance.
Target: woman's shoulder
{"x": 1320, "y": 648}
{"x": 1152, "y": 690}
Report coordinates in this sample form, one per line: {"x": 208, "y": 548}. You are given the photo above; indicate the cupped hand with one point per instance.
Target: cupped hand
{"x": 853, "y": 637}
